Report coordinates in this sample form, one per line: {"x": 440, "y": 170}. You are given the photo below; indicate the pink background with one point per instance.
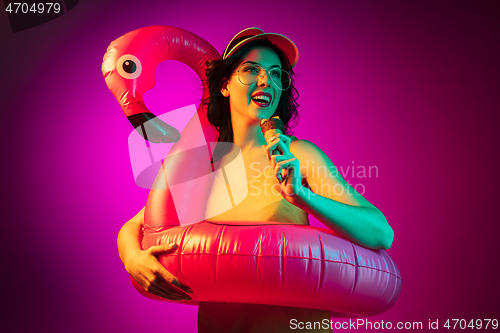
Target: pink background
{"x": 408, "y": 86}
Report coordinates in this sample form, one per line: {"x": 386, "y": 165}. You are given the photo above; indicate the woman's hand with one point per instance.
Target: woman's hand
{"x": 286, "y": 169}
{"x": 147, "y": 270}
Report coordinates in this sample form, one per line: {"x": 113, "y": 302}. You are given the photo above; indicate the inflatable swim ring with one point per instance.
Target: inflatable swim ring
{"x": 276, "y": 264}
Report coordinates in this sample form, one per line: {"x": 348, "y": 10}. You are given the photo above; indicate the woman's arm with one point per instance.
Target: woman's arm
{"x": 366, "y": 226}
{"x": 144, "y": 266}
{"x": 329, "y": 198}
{"x": 129, "y": 238}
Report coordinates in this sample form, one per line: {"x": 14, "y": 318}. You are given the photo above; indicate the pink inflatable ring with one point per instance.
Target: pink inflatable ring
{"x": 263, "y": 263}
{"x": 280, "y": 264}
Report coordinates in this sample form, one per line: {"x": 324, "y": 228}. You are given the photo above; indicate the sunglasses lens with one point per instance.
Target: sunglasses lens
{"x": 280, "y": 78}
{"x": 249, "y": 73}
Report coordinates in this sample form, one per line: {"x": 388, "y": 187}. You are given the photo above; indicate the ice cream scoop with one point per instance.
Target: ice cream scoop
{"x": 270, "y": 127}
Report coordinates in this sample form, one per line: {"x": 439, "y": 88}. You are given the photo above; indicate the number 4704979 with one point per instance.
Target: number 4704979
{"x": 477, "y": 324}
{"x": 36, "y": 8}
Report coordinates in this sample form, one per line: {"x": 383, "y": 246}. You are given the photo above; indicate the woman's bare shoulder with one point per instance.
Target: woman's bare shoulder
{"x": 306, "y": 149}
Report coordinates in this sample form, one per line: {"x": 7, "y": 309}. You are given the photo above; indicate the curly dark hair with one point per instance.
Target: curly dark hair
{"x": 218, "y": 110}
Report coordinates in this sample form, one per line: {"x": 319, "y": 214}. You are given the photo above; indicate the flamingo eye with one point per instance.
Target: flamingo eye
{"x": 129, "y": 66}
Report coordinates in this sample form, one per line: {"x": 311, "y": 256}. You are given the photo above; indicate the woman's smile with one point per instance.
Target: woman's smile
{"x": 262, "y": 99}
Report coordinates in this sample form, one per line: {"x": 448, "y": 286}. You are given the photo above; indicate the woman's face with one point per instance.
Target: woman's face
{"x": 249, "y": 101}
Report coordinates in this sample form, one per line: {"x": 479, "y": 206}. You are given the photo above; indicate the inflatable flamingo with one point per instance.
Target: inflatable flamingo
{"x": 129, "y": 67}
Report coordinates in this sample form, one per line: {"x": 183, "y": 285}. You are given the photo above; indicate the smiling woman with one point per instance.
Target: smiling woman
{"x": 252, "y": 82}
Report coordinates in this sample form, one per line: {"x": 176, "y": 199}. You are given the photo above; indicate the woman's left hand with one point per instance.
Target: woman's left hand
{"x": 286, "y": 168}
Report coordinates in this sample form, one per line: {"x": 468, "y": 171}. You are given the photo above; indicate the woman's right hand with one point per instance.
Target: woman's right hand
{"x": 147, "y": 270}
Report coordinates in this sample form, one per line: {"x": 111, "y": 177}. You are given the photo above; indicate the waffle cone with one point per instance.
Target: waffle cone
{"x": 270, "y": 133}
{"x": 271, "y": 127}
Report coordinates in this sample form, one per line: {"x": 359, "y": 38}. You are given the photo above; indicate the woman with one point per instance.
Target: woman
{"x": 250, "y": 83}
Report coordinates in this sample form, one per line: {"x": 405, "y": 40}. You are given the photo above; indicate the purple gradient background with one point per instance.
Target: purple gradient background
{"x": 409, "y": 87}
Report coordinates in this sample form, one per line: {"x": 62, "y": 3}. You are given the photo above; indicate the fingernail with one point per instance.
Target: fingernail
{"x": 171, "y": 245}
{"x": 272, "y": 139}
